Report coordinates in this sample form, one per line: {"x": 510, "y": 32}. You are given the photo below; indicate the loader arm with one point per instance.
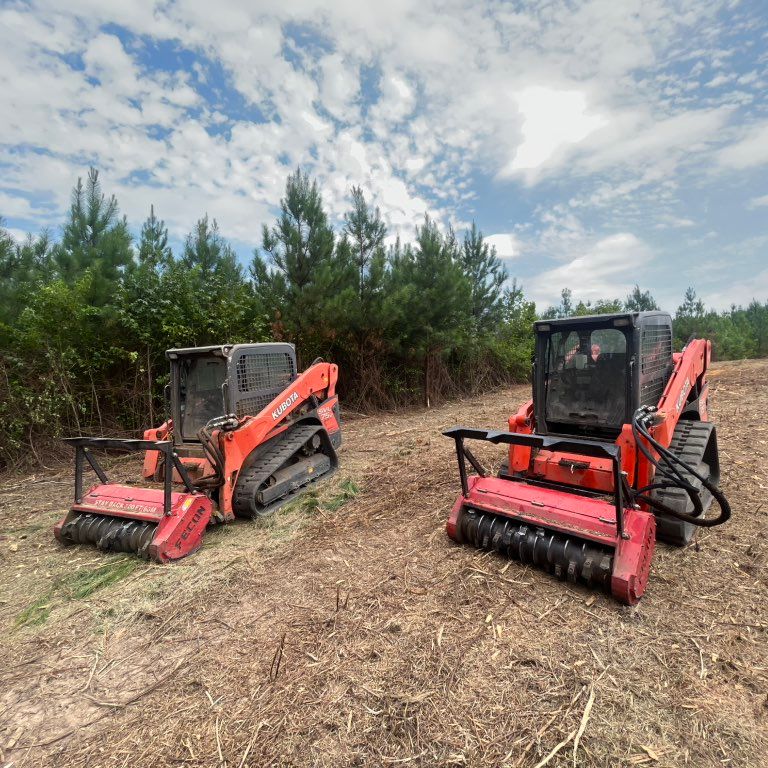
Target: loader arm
{"x": 685, "y": 396}
{"x": 153, "y": 458}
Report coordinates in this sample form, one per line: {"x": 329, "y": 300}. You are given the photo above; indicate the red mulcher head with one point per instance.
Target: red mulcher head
{"x": 153, "y": 523}
{"x": 574, "y": 536}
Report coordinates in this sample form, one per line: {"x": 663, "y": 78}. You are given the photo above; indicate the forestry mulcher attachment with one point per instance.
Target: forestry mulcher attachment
{"x": 245, "y": 435}
{"x": 614, "y": 450}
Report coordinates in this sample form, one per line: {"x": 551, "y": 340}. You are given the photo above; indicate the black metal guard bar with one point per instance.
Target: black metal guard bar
{"x": 82, "y": 445}
{"x": 570, "y": 444}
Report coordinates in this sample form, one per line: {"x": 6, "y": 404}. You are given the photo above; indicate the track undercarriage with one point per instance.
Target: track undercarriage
{"x": 287, "y": 465}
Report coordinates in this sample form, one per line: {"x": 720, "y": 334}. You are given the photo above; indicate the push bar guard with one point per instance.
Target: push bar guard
{"x": 570, "y": 444}
{"x": 83, "y": 444}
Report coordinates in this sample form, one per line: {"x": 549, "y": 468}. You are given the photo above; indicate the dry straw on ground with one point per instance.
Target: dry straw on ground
{"x": 351, "y": 631}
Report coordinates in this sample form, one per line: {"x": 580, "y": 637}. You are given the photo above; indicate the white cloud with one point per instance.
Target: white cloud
{"x": 719, "y": 80}
{"x": 340, "y": 87}
{"x": 505, "y": 243}
{"x": 639, "y": 138}
{"x": 667, "y": 220}
{"x": 749, "y": 151}
{"x": 759, "y": 202}
{"x": 606, "y": 268}
{"x": 106, "y": 60}
{"x": 19, "y": 235}
{"x": 396, "y": 102}
{"x": 583, "y": 97}
{"x": 739, "y": 292}
{"x": 13, "y": 205}
{"x": 552, "y": 120}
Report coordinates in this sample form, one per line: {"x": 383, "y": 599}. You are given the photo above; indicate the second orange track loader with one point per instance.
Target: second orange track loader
{"x": 614, "y": 451}
{"x": 246, "y": 434}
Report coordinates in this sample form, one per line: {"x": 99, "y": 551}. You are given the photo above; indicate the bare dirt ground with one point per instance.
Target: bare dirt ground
{"x": 354, "y": 632}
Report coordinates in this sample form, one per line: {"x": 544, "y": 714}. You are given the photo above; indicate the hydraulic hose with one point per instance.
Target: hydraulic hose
{"x": 673, "y": 477}
{"x": 212, "y": 451}
{"x": 214, "y": 456}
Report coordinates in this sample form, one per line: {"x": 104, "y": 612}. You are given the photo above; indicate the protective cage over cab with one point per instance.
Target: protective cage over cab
{"x": 207, "y": 382}
{"x": 592, "y": 373}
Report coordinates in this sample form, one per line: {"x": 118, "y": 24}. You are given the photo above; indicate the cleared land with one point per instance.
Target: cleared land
{"x": 350, "y": 631}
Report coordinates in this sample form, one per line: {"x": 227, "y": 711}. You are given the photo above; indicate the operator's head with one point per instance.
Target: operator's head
{"x": 595, "y": 352}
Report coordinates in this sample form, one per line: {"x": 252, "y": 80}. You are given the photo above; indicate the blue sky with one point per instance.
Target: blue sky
{"x": 597, "y": 143}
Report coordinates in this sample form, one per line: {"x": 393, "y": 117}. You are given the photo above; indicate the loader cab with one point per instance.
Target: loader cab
{"x": 591, "y": 373}
{"x": 240, "y": 379}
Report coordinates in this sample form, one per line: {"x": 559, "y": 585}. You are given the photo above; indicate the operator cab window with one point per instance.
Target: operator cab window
{"x": 200, "y": 394}
{"x": 586, "y": 377}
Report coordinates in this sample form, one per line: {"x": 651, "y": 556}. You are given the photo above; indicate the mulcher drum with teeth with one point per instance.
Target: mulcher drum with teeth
{"x": 596, "y": 542}
{"x": 121, "y": 518}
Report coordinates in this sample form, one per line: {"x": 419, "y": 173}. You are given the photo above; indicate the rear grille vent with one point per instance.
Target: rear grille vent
{"x": 260, "y": 378}
{"x": 655, "y": 362}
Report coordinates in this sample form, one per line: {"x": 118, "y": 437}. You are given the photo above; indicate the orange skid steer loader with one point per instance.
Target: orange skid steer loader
{"x": 614, "y": 451}
{"x": 245, "y": 435}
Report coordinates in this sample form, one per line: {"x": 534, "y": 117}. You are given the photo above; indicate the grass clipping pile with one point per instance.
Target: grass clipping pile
{"x": 348, "y": 629}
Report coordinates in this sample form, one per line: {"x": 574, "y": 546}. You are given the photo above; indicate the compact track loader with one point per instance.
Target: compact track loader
{"x": 614, "y": 451}
{"x": 245, "y": 435}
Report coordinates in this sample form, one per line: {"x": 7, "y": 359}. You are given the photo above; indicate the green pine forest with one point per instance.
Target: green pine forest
{"x": 85, "y": 317}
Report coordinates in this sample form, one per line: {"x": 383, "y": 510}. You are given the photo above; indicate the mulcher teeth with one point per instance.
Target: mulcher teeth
{"x": 565, "y": 557}
{"x": 110, "y": 534}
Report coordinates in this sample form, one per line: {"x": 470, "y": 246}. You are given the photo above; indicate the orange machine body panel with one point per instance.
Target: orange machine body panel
{"x": 318, "y": 382}
{"x": 686, "y": 382}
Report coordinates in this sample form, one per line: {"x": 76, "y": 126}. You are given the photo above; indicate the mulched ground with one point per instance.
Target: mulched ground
{"x": 363, "y": 636}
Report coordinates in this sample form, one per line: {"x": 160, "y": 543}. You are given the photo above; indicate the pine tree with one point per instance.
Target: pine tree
{"x": 7, "y": 243}
{"x": 208, "y": 254}
{"x": 213, "y": 302}
{"x": 24, "y": 267}
{"x": 302, "y": 240}
{"x": 600, "y": 307}
{"x": 486, "y": 275}
{"x": 10, "y": 273}
{"x": 689, "y": 320}
{"x": 94, "y": 239}
{"x": 515, "y": 332}
{"x": 154, "y": 250}
{"x": 692, "y": 306}
{"x": 366, "y": 231}
{"x": 566, "y": 302}
{"x": 640, "y": 301}
{"x": 428, "y": 299}
{"x": 362, "y": 246}
{"x": 564, "y": 309}
{"x": 757, "y": 316}
{"x": 301, "y": 247}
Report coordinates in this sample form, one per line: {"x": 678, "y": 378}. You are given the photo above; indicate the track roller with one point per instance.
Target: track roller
{"x": 283, "y": 469}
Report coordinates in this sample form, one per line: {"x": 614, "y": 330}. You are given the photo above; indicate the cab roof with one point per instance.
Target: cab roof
{"x": 222, "y": 350}
{"x": 630, "y": 318}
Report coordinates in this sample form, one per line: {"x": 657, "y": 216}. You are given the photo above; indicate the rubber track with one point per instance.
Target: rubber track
{"x": 689, "y": 443}
{"x": 251, "y": 479}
